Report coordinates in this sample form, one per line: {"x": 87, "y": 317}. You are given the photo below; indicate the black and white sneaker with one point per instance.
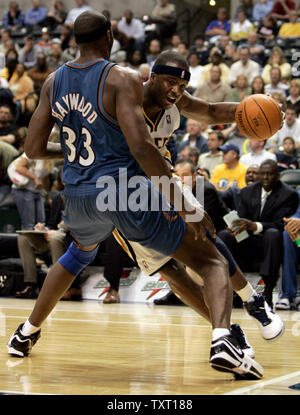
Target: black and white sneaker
{"x": 270, "y": 324}
{"x": 238, "y": 333}
{"x": 20, "y": 345}
{"x": 226, "y": 356}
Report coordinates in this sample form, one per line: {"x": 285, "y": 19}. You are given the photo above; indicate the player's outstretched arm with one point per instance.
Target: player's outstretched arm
{"x": 211, "y": 113}
{"x": 39, "y": 129}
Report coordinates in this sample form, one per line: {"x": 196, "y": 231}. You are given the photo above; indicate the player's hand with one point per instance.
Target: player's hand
{"x": 202, "y": 226}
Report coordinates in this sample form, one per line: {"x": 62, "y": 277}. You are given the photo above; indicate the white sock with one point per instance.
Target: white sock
{"x": 29, "y": 328}
{"x": 217, "y": 333}
{"x": 246, "y": 293}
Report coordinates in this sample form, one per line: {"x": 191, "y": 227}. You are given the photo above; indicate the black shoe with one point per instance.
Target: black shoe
{"x": 268, "y": 294}
{"x": 243, "y": 342}
{"x": 226, "y": 356}
{"x": 169, "y": 299}
{"x": 30, "y": 291}
{"x": 20, "y": 345}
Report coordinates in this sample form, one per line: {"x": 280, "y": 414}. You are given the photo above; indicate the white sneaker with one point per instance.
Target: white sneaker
{"x": 283, "y": 304}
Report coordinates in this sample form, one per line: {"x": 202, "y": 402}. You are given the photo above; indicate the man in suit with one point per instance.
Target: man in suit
{"x": 261, "y": 210}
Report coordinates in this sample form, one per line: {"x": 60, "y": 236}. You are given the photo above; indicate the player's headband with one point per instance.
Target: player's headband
{"x": 172, "y": 70}
{"x": 92, "y": 36}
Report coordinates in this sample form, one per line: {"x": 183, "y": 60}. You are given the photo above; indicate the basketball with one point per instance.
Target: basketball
{"x": 258, "y": 116}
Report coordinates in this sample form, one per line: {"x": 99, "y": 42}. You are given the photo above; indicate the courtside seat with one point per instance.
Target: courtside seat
{"x": 291, "y": 177}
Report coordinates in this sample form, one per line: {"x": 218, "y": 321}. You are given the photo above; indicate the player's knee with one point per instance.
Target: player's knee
{"x": 75, "y": 260}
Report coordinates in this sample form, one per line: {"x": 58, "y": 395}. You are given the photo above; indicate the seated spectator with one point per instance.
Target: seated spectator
{"x": 182, "y": 48}
{"x": 22, "y": 88}
{"x": 191, "y": 153}
{"x": 231, "y": 196}
{"x": 258, "y": 153}
{"x": 199, "y": 46}
{"x": 261, "y": 9}
{"x": 241, "y": 90}
{"x": 215, "y": 58}
{"x": 292, "y": 29}
{"x": 247, "y": 7}
{"x": 66, "y": 33}
{"x": 214, "y": 157}
{"x": 164, "y": 16}
{"x": 134, "y": 30}
{"x": 231, "y": 54}
{"x": 193, "y": 137}
{"x": 76, "y": 11}
{"x": 57, "y": 57}
{"x": 286, "y": 159}
{"x": 175, "y": 40}
{"x": 294, "y": 98}
{"x": 40, "y": 71}
{"x": 291, "y": 128}
{"x": 257, "y": 85}
{"x": 231, "y": 172}
{"x": 7, "y": 127}
{"x": 11, "y": 62}
{"x": 278, "y": 60}
{"x": 44, "y": 44}
{"x": 224, "y": 41}
{"x": 56, "y": 14}
{"x": 268, "y": 29}
{"x": 282, "y": 8}
{"x": 73, "y": 51}
{"x": 7, "y": 43}
{"x": 256, "y": 49}
{"x": 290, "y": 263}
{"x": 276, "y": 84}
{"x": 36, "y": 15}
{"x": 220, "y": 26}
{"x": 7, "y": 154}
{"x": 135, "y": 59}
{"x": 244, "y": 66}
{"x": 195, "y": 71}
{"x": 119, "y": 36}
{"x": 281, "y": 99}
{"x": 262, "y": 207}
{"x": 14, "y": 17}
{"x": 241, "y": 27}
{"x": 214, "y": 90}
{"x": 154, "y": 50}
{"x": 28, "y": 53}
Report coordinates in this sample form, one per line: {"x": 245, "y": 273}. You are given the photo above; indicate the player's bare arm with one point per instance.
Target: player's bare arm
{"x": 211, "y": 113}
{"x": 40, "y": 126}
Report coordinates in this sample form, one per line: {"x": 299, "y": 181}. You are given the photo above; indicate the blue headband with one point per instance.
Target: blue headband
{"x": 172, "y": 70}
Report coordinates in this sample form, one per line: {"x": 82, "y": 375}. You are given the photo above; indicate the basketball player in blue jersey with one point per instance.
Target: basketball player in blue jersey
{"x": 98, "y": 108}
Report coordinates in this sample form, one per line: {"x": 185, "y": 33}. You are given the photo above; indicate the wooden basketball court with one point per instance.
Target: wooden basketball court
{"x": 90, "y": 348}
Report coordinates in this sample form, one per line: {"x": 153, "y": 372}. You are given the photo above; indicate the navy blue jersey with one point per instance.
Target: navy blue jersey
{"x": 92, "y": 142}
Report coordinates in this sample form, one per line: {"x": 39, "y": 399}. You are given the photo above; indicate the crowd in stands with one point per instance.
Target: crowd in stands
{"x": 252, "y": 53}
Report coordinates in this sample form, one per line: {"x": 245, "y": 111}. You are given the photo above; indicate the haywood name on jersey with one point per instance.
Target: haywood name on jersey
{"x": 74, "y": 102}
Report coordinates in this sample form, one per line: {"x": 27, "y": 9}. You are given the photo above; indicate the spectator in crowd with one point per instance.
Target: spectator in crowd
{"x": 281, "y": 99}
{"x": 262, "y": 207}
{"x": 257, "y": 85}
{"x": 144, "y": 70}
{"x": 28, "y": 53}
{"x": 244, "y": 66}
{"x": 11, "y": 62}
{"x": 231, "y": 196}
{"x": 7, "y": 127}
{"x": 195, "y": 70}
{"x": 191, "y": 153}
{"x": 133, "y": 29}
{"x": 247, "y": 7}
{"x": 220, "y": 26}
{"x": 8, "y": 153}
{"x": 7, "y": 43}
{"x": 276, "y": 84}
{"x": 81, "y": 7}
{"x": 268, "y": 29}
{"x": 72, "y": 51}
{"x": 40, "y": 71}
{"x": 257, "y": 153}
{"x": 241, "y": 89}
{"x": 193, "y": 137}
{"x": 44, "y": 44}
{"x": 119, "y": 36}
{"x": 199, "y": 46}
{"x": 231, "y": 172}
{"x": 294, "y": 98}
{"x": 290, "y": 262}
{"x": 14, "y": 17}
{"x": 241, "y": 27}
{"x": 214, "y": 90}
{"x": 182, "y": 48}
{"x": 224, "y": 41}
{"x": 135, "y": 59}
{"x": 256, "y": 49}
{"x": 291, "y": 128}
{"x": 215, "y": 58}
{"x": 286, "y": 159}
{"x": 56, "y": 14}
{"x": 175, "y": 40}
{"x": 57, "y": 57}
{"x": 231, "y": 54}
{"x": 36, "y": 15}
{"x": 214, "y": 157}
{"x": 292, "y": 28}
{"x": 261, "y": 9}
{"x": 278, "y": 60}
{"x": 154, "y": 50}
{"x": 164, "y": 16}
{"x": 66, "y": 33}
{"x": 282, "y": 8}
{"x": 22, "y": 88}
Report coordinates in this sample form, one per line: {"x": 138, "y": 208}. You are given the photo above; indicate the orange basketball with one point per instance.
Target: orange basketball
{"x": 258, "y": 116}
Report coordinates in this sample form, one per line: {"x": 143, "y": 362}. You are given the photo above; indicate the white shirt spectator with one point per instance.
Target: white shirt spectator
{"x": 251, "y": 159}
{"x": 287, "y": 131}
{"x": 280, "y": 87}
{"x": 250, "y": 70}
{"x": 74, "y": 13}
{"x": 133, "y": 30}
{"x": 195, "y": 75}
